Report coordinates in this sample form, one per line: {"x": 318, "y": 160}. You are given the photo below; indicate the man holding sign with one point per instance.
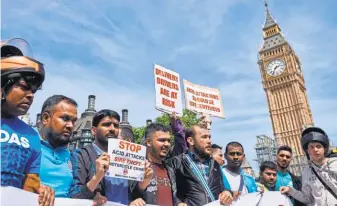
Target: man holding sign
{"x": 161, "y": 189}
{"x": 91, "y": 163}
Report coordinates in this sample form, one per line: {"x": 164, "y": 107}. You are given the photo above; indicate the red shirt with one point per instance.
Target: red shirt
{"x": 164, "y": 192}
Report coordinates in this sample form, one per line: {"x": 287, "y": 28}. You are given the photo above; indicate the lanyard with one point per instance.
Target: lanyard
{"x": 201, "y": 178}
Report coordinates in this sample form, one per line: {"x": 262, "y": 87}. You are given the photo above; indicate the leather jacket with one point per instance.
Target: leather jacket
{"x": 189, "y": 188}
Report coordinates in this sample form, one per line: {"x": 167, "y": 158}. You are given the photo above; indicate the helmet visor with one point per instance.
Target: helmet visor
{"x": 30, "y": 81}
{"x": 16, "y": 47}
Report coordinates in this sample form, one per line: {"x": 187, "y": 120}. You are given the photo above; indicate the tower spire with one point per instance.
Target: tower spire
{"x": 266, "y": 4}
{"x": 271, "y": 32}
{"x": 269, "y": 19}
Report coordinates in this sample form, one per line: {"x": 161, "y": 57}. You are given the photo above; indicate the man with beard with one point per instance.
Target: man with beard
{"x": 217, "y": 154}
{"x": 198, "y": 177}
{"x": 58, "y": 116}
{"x": 21, "y": 78}
{"x": 268, "y": 173}
{"x": 284, "y": 176}
{"x": 161, "y": 188}
{"x": 235, "y": 178}
{"x": 91, "y": 163}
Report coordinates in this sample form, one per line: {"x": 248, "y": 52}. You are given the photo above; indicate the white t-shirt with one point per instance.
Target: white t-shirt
{"x": 234, "y": 181}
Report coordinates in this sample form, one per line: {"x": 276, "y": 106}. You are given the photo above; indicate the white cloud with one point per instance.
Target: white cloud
{"x": 80, "y": 83}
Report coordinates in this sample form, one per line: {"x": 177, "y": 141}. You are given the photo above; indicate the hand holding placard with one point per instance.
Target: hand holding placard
{"x": 46, "y": 196}
{"x": 147, "y": 176}
{"x": 99, "y": 200}
{"x": 102, "y": 166}
{"x": 225, "y": 198}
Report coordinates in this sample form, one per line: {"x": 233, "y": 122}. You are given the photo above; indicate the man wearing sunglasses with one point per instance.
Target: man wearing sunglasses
{"x": 21, "y": 77}
{"x": 284, "y": 176}
{"x": 234, "y": 177}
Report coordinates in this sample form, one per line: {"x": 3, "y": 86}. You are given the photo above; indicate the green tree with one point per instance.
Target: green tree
{"x": 138, "y": 133}
{"x": 188, "y": 119}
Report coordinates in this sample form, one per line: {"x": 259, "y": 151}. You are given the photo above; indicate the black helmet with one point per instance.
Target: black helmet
{"x": 314, "y": 134}
{"x": 16, "y": 64}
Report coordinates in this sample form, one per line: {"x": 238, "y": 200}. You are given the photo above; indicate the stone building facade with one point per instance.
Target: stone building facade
{"x": 283, "y": 81}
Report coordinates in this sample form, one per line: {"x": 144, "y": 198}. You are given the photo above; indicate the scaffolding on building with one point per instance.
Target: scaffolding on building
{"x": 265, "y": 149}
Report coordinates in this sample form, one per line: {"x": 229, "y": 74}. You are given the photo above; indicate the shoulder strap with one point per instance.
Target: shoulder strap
{"x": 241, "y": 184}
{"x": 325, "y": 185}
{"x": 201, "y": 178}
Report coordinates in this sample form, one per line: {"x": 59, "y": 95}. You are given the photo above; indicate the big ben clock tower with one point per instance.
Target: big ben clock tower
{"x": 283, "y": 82}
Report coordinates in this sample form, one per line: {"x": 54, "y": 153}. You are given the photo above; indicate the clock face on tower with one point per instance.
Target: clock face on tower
{"x": 276, "y": 67}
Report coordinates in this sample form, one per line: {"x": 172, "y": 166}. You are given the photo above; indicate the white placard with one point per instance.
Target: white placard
{"x": 202, "y": 99}
{"x": 168, "y": 90}
{"x": 8, "y": 195}
{"x": 11, "y": 196}
{"x": 127, "y": 160}
{"x": 269, "y": 198}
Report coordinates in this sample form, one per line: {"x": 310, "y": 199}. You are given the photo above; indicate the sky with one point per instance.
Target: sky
{"x": 107, "y": 48}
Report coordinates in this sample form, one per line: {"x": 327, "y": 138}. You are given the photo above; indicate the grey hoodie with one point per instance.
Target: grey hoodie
{"x": 313, "y": 192}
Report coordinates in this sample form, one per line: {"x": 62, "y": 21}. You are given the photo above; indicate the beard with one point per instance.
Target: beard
{"x": 200, "y": 152}
{"x": 270, "y": 183}
{"x": 283, "y": 167}
{"x": 157, "y": 152}
{"x": 105, "y": 139}
{"x": 57, "y": 140}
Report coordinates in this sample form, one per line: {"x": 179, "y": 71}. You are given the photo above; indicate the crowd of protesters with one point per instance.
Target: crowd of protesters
{"x": 191, "y": 172}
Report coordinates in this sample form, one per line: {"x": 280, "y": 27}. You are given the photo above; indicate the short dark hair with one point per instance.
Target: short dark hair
{"x": 215, "y": 146}
{"x": 155, "y": 127}
{"x": 285, "y": 148}
{"x": 234, "y": 144}
{"x": 52, "y": 101}
{"x": 189, "y": 132}
{"x": 268, "y": 164}
{"x": 98, "y": 116}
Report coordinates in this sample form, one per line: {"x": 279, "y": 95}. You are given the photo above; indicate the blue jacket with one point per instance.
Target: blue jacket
{"x": 248, "y": 180}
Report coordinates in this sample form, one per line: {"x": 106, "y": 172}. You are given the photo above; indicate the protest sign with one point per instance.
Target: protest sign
{"x": 31, "y": 199}
{"x": 168, "y": 91}
{"x": 127, "y": 160}
{"x": 25, "y": 198}
{"x": 269, "y": 198}
{"x": 203, "y": 99}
